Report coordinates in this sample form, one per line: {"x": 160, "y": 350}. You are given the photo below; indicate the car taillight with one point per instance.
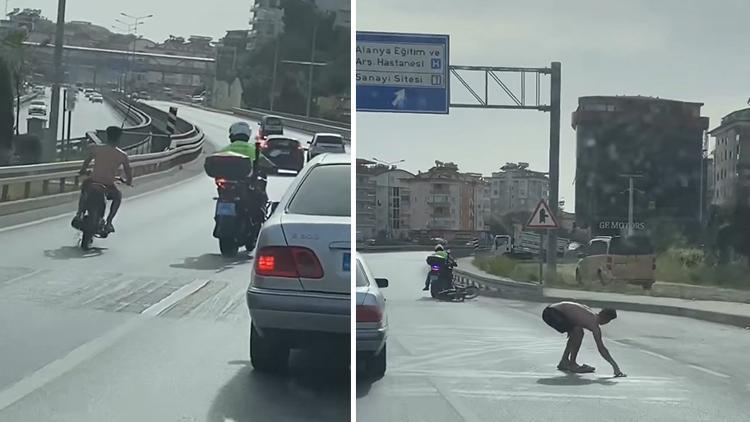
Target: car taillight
{"x": 288, "y": 262}
{"x": 609, "y": 263}
{"x": 263, "y": 143}
{"x": 369, "y": 313}
{"x": 220, "y": 183}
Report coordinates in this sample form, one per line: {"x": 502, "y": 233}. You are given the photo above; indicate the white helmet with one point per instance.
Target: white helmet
{"x": 240, "y": 131}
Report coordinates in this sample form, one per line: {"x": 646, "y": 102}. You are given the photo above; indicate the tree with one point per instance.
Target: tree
{"x": 332, "y": 47}
{"x": 6, "y": 113}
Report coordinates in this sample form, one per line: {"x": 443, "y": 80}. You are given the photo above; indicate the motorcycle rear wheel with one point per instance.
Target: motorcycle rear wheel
{"x": 228, "y": 247}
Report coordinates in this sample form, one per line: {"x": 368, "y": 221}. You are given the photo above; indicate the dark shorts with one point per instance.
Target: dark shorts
{"x": 111, "y": 190}
{"x": 557, "y": 320}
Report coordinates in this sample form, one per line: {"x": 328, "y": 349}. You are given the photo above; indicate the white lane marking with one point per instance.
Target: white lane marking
{"x": 657, "y": 355}
{"x": 505, "y": 395}
{"x": 86, "y": 351}
{"x": 68, "y": 214}
{"x": 459, "y": 373}
{"x": 708, "y": 371}
{"x": 23, "y": 276}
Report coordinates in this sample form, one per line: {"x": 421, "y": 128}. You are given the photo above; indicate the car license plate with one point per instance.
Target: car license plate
{"x": 347, "y": 264}
{"x": 433, "y": 277}
{"x": 226, "y": 209}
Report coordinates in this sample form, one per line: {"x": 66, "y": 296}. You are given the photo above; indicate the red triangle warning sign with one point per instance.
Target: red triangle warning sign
{"x": 542, "y": 218}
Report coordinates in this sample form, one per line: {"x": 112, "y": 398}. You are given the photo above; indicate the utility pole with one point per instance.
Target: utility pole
{"x": 275, "y": 68}
{"x": 312, "y": 67}
{"x": 554, "y": 166}
{"x": 54, "y": 117}
{"x": 631, "y": 192}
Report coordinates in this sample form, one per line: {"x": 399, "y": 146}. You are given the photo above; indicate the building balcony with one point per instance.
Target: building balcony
{"x": 437, "y": 199}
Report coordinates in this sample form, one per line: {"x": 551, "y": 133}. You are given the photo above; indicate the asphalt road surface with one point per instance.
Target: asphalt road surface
{"x": 86, "y": 116}
{"x": 494, "y": 360}
{"x": 152, "y": 326}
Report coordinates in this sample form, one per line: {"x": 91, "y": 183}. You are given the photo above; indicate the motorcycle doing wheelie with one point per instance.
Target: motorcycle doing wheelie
{"x": 241, "y": 208}
{"x": 443, "y": 286}
{"x": 95, "y": 206}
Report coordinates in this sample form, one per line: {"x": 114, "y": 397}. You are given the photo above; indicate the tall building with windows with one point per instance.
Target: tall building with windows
{"x": 341, "y": 8}
{"x": 365, "y": 200}
{"x": 445, "y": 199}
{"x": 659, "y": 140}
{"x": 730, "y": 159}
{"x": 266, "y": 22}
{"x": 516, "y": 188}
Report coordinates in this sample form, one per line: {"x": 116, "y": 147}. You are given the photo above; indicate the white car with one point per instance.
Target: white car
{"x": 325, "y": 142}
{"x": 372, "y": 322}
{"x": 38, "y": 108}
{"x": 299, "y": 293}
{"x": 96, "y": 98}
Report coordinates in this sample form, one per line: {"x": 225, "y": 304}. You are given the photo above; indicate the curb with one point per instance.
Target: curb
{"x": 509, "y": 289}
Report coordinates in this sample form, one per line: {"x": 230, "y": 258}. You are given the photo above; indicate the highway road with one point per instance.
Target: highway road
{"x": 86, "y": 116}
{"x": 494, "y": 360}
{"x": 153, "y": 326}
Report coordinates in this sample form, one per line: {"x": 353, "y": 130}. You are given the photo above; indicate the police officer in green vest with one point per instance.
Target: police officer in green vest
{"x": 439, "y": 254}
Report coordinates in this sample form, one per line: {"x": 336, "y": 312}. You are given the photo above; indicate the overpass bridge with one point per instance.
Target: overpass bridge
{"x": 98, "y": 65}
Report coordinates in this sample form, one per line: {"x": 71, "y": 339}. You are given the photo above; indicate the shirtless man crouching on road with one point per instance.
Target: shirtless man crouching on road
{"x": 572, "y": 318}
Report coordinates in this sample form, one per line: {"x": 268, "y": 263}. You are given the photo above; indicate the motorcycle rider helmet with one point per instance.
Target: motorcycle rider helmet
{"x": 439, "y": 248}
{"x": 240, "y": 131}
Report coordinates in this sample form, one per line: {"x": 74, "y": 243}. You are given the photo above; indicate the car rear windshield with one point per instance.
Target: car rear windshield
{"x": 325, "y": 191}
{"x": 361, "y": 276}
{"x": 330, "y": 140}
{"x": 631, "y": 246}
{"x": 273, "y": 121}
{"x": 282, "y": 142}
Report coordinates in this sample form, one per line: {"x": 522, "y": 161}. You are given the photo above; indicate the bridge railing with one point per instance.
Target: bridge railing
{"x": 20, "y": 184}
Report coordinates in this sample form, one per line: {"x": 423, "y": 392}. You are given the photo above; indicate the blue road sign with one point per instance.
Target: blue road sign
{"x": 403, "y": 73}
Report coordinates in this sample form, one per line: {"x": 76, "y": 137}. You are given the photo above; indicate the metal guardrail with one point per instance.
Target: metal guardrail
{"x": 29, "y": 181}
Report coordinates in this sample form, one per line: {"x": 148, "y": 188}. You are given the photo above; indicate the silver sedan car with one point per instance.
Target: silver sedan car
{"x": 372, "y": 322}
{"x": 322, "y": 143}
{"x": 299, "y": 293}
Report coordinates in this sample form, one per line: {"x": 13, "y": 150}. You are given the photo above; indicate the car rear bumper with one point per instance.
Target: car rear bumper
{"x": 312, "y": 313}
{"x": 371, "y": 340}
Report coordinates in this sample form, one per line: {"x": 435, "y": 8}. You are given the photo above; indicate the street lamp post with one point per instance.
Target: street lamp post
{"x": 389, "y": 211}
{"x": 137, "y": 21}
{"x": 51, "y": 145}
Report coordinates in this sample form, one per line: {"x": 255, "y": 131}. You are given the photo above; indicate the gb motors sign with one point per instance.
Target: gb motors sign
{"x": 620, "y": 225}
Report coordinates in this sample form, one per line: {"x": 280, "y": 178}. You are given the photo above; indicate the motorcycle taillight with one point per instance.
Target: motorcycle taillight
{"x": 436, "y": 268}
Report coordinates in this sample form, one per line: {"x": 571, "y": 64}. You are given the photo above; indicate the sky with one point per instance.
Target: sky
{"x": 171, "y": 17}
{"x": 689, "y": 50}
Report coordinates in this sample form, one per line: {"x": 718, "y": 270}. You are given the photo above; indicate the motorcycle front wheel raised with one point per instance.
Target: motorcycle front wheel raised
{"x": 228, "y": 247}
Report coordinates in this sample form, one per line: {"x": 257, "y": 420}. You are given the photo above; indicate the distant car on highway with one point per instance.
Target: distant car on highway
{"x": 96, "y": 98}
{"x": 299, "y": 293}
{"x": 143, "y": 95}
{"x": 372, "y": 321}
{"x": 88, "y": 92}
{"x": 197, "y": 99}
{"x": 270, "y": 125}
{"x": 284, "y": 152}
{"x": 38, "y": 108}
{"x": 39, "y": 89}
{"x": 325, "y": 142}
